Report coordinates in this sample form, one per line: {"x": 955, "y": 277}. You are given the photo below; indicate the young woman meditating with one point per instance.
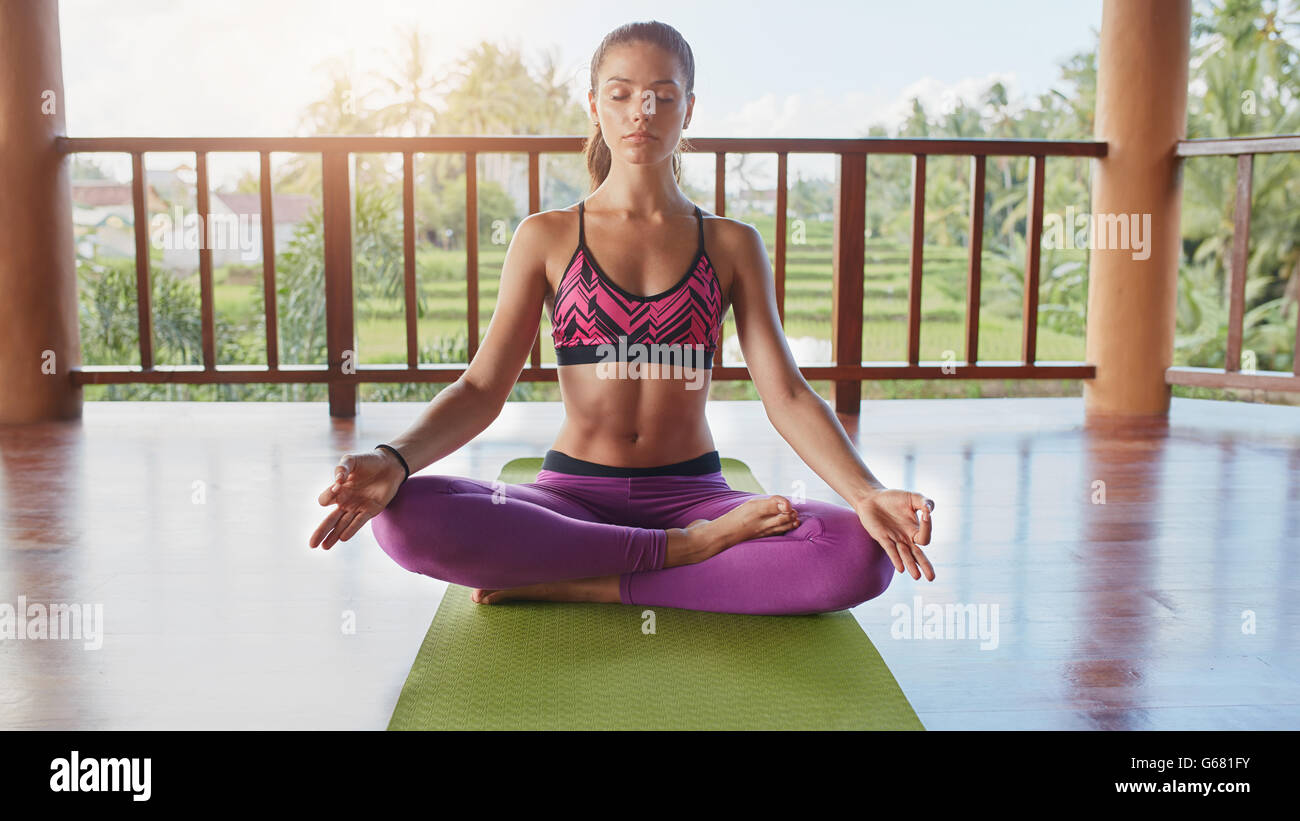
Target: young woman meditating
{"x": 631, "y": 505}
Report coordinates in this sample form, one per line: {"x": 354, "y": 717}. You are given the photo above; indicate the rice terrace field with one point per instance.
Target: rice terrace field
{"x": 441, "y": 283}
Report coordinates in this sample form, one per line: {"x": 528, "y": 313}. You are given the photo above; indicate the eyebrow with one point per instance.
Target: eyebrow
{"x": 626, "y": 80}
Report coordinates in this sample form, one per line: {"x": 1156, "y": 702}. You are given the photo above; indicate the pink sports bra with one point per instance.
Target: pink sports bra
{"x": 593, "y": 319}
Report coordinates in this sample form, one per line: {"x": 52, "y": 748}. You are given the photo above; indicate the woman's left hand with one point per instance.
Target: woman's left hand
{"x": 890, "y": 518}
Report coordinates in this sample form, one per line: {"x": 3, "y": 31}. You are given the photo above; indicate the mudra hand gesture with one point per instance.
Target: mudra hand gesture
{"x": 364, "y": 484}
{"x": 890, "y": 517}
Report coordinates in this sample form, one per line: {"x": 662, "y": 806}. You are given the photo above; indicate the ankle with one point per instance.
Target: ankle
{"x": 679, "y": 548}
{"x": 688, "y": 546}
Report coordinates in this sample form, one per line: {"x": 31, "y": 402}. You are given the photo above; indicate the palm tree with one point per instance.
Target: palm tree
{"x": 414, "y": 88}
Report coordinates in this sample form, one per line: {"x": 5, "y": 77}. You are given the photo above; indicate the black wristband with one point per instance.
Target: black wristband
{"x": 405, "y": 467}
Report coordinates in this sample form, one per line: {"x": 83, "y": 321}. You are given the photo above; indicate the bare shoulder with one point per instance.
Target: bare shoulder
{"x": 547, "y": 228}
{"x": 736, "y": 248}
{"x": 728, "y": 231}
{"x": 549, "y": 237}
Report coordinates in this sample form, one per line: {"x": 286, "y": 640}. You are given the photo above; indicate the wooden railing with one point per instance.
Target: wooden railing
{"x": 1231, "y": 376}
{"x": 848, "y": 258}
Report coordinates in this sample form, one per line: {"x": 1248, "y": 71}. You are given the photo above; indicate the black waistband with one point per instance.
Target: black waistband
{"x": 564, "y": 463}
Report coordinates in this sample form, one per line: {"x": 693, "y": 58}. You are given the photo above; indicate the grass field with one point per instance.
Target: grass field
{"x": 381, "y": 326}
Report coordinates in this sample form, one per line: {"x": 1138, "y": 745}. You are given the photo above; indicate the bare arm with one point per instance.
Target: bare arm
{"x": 364, "y": 483}
{"x": 807, "y": 422}
{"x": 466, "y": 407}
{"x": 802, "y": 417}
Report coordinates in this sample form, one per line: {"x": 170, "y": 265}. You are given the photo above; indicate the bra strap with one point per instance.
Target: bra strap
{"x": 700, "y": 218}
{"x": 582, "y": 240}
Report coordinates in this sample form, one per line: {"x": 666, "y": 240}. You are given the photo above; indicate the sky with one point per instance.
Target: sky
{"x": 764, "y": 69}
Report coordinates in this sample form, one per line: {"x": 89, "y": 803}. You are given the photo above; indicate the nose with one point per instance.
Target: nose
{"x": 645, "y": 105}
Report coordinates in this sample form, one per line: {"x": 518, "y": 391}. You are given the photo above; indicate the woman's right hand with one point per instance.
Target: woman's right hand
{"x": 364, "y": 484}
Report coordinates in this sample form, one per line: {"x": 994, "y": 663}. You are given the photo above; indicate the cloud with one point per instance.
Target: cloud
{"x": 818, "y": 114}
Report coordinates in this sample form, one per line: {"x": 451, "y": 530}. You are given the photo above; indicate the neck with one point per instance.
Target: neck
{"x": 641, "y": 191}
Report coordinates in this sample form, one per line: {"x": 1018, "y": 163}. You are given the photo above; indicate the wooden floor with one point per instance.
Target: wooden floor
{"x": 189, "y": 522}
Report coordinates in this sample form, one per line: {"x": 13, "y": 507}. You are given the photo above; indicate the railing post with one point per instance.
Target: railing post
{"x": 975, "y": 263}
{"x": 471, "y": 252}
{"x": 410, "y": 296}
{"x": 848, "y": 259}
{"x": 916, "y": 261}
{"x": 1033, "y": 259}
{"x": 340, "y": 338}
{"x": 1240, "y": 256}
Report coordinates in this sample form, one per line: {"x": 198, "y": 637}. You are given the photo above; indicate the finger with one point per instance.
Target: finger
{"x": 358, "y": 522}
{"x": 344, "y": 468}
{"x": 921, "y": 504}
{"x": 325, "y": 526}
{"x": 332, "y": 494}
{"x": 332, "y": 539}
{"x": 888, "y": 546}
{"x": 910, "y": 549}
{"x": 904, "y": 547}
{"x": 924, "y": 562}
{"x": 342, "y": 525}
{"x": 337, "y": 494}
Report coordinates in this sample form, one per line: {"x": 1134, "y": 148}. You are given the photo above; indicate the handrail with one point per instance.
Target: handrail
{"x": 848, "y": 257}
{"x": 1231, "y": 375}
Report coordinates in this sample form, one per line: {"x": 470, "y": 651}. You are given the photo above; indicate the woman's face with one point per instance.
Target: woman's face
{"x": 641, "y": 92}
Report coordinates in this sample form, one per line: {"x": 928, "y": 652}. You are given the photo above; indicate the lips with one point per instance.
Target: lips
{"x": 639, "y": 136}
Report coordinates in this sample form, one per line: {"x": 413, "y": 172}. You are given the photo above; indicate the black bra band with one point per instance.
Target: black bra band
{"x": 564, "y": 463}
{"x": 681, "y": 357}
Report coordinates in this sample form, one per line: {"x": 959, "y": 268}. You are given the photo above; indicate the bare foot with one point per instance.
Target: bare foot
{"x": 758, "y": 517}
{"x": 596, "y": 588}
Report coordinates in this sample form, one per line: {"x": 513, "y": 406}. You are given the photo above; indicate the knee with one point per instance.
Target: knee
{"x": 406, "y": 527}
{"x": 858, "y": 568}
{"x": 394, "y": 527}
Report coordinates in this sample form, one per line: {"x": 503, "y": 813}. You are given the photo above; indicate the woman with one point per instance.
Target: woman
{"x": 631, "y": 505}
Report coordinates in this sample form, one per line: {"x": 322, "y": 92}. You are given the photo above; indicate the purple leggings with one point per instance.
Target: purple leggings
{"x": 587, "y": 519}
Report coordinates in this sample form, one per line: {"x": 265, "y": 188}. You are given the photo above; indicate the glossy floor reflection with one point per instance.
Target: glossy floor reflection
{"x": 1138, "y": 576}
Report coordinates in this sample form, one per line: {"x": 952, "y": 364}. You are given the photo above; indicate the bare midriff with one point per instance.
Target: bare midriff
{"x": 656, "y": 419}
{"x": 627, "y": 422}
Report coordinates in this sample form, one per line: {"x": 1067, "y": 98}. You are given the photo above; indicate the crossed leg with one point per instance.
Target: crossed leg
{"x": 495, "y": 535}
{"x": 485, "y": 534}
{"x": 828, "y": 562}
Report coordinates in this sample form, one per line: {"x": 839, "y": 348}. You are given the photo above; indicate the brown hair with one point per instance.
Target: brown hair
{"x": 653, "y": 33}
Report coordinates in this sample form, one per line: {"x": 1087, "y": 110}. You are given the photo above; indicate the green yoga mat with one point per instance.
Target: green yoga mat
{"x": 525, "y": 665}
